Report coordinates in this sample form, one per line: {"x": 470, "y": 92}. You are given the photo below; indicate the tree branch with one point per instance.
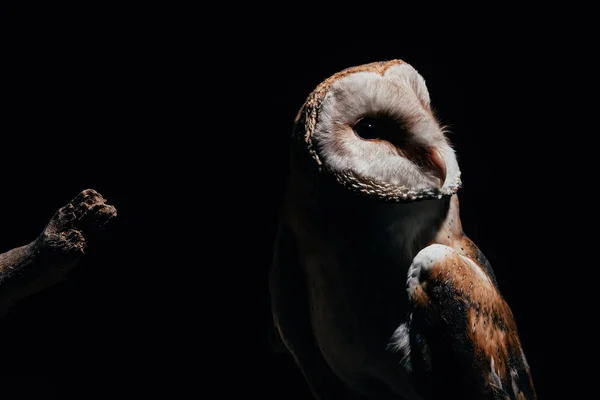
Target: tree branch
{"x": 46, "y": 261}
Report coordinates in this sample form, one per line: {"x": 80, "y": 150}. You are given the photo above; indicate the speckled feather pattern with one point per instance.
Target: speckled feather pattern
{"x": 389, "y": 192}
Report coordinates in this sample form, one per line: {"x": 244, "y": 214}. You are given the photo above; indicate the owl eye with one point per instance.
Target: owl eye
{"x": 371, "y": 128}
{"x": 366, "y": 128}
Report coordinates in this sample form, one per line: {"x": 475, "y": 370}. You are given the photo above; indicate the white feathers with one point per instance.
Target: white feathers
{"x": 423, "y": 261}
{"x": 494, "y": 376}
{"x": 400, "y": 344}
{"x": 430, "y": 254}
{"x": 514, "y": 381}
{"x": 399, "y": 93}
{"x": 524, "y": 360}
{"x": 411, "y": 78}
{"x": 433, "y": 254}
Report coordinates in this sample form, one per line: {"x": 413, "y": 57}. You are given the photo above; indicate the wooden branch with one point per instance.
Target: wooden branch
{"x": 47, "y": 260}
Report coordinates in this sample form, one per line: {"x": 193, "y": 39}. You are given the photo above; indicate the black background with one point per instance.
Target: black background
{"x": 185, "y": 133}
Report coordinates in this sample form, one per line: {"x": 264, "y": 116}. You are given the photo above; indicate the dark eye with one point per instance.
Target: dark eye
{"x": 370, "y": 128}
{"x": 367, "y": 129}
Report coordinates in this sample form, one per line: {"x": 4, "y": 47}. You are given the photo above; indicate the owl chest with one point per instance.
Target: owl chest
{"x": 356, "y": 300}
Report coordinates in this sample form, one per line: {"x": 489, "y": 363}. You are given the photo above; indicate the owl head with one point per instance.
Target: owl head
{"x": 371, "y": 128}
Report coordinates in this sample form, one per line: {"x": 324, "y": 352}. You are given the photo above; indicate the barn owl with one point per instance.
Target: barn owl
{"x": 376, "y": 291}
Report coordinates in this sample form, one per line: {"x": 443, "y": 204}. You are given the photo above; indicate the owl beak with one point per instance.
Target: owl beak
{"x": 439, "y": 166}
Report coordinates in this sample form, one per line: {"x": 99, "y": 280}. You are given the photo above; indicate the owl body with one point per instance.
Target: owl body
{"x": 356, "y": 270}
{"x": 376, "y": 291}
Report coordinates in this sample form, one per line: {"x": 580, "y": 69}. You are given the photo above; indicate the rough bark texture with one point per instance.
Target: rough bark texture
{"x": 46, "y": 261}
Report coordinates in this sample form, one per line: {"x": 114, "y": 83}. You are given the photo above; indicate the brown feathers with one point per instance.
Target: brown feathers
{"x": 463, "y": 309}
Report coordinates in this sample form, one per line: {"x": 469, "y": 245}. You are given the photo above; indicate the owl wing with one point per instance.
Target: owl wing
{"x": 464, "y": 341}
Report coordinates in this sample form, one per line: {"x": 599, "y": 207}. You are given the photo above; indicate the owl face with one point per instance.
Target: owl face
{"x": 372, "y": 128}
